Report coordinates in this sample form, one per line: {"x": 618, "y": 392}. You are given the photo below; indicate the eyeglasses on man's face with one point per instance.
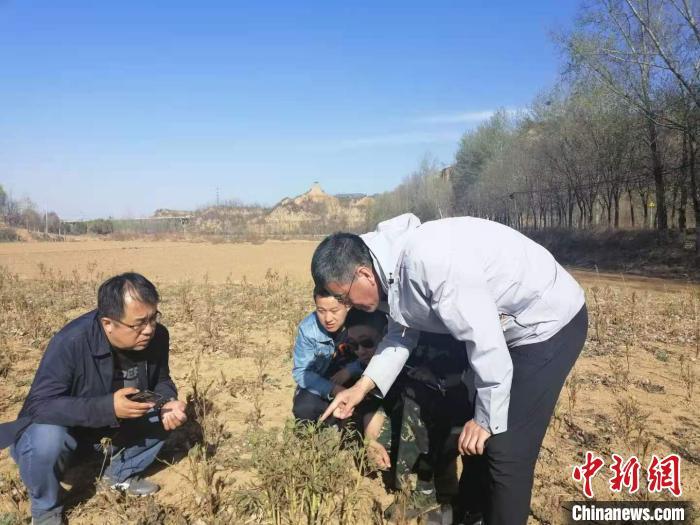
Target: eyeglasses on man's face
{"x": 344, "y": 298}
{"x": 140, "y": 326}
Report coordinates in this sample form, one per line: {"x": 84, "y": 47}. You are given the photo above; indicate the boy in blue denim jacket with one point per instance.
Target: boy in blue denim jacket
{"x": 317, "y": 370}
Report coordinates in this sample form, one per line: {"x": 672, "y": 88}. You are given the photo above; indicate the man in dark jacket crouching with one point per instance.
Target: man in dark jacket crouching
{"x": 81, "y": 392}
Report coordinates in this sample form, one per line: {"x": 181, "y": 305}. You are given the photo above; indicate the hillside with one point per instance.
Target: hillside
{"x": 312, "y": 212}
{"x": 316, "y": 212}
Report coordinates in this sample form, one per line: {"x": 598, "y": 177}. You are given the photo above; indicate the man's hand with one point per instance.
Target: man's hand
{"x": 125, "y": 408}
{"x": 345, "y": 402}
{"x": 472, "y": 439}
{"x": 341, "y": 376}
{"x": 172, "y": 414}
{"x": 378, "y": 455}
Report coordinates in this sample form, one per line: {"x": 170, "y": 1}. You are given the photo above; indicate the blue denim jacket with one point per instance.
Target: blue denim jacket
{"x": 313, "y": 353}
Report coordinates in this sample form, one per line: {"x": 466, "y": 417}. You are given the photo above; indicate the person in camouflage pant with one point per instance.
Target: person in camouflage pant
{"x": 414, "y": 424}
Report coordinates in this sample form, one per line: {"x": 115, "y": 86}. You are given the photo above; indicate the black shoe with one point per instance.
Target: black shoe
{"x": 472, "y": 519}
{"x": 135, "y": 486}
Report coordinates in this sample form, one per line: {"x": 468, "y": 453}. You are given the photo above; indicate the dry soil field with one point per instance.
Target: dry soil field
{"x": 162, "y": 261}
{"x": 232, "y": 310}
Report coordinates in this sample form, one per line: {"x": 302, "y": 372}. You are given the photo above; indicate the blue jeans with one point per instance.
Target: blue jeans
{"x": 43, "y": 453}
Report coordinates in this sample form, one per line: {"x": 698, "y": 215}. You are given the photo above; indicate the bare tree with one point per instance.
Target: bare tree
{"x": 424, "y": 193}
{"x": 674, "y": 34}
{"x": 3, "y": 201}
{"x": 612, "y": 44}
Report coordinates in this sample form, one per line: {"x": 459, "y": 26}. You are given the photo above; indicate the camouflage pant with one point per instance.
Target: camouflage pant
{"x": 405, "y": 437}
{"x": 414, "y": 434}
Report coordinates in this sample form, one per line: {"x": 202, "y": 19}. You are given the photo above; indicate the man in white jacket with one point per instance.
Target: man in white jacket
{"x": 521, "y": 316}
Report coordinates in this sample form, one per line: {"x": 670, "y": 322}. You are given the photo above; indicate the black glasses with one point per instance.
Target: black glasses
{"x": 353, "y": 345}
{"x": 344, "y": 298}
{"x": 138, "y": 327}
{"x": 366, "y": 343}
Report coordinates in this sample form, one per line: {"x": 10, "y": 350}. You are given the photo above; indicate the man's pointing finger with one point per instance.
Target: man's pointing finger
{"x": 331, "y": 408}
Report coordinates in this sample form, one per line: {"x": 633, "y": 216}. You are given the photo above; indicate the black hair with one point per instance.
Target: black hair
{"x": 110, "y": 295}
{"x": 337, "y": 257}
{"x": 376, "y": 319}
{"x": 321, "y": 292}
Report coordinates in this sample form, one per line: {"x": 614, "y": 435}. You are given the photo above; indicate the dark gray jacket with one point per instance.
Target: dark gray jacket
{"x": 73, "y": 384}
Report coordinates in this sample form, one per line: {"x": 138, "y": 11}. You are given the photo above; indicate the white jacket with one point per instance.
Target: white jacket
{"x": 485, "y": 283}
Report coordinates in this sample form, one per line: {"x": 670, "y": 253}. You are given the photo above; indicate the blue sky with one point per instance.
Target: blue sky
{"x": 119, "y": 108}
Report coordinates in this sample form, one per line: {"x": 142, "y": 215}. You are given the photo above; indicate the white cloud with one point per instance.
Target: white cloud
{"x": 376, "y": 141}
{"x": 398, "y": 139}
{"x": 464, "y": 117}
{"x": 457, "y": 118}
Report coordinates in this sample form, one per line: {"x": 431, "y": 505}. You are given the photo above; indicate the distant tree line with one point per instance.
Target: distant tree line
{"x": 425, "y": 193}
{"x": 95, "y": 226}
{"x": 614, "y": 144}
{"x": 23, "y": 213}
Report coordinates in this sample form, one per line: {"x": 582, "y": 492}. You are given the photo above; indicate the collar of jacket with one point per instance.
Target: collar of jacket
{"x": 101, "y": 351}
{"x": 386, "y": 245}
{"x": 102, "y": 348}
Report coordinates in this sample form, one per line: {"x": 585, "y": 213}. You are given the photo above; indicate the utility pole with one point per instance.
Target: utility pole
{"x": 46, "y": 222}
{"x": 217, "y": 196}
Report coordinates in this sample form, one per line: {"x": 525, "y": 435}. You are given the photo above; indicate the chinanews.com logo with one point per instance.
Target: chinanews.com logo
{"x": 659, "y": 476}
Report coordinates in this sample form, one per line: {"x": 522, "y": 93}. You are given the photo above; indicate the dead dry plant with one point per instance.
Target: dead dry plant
{"x": 687, "y": 375}
{"x": 184, "y": 294}
{"x": 306, "y": 474}
{"x": 620, "y": 373}
{"x": 116, "y": 508}
{"x": 573, "y": 386}
{"x": 14, "y": 499}
{"x": 631, "y": 417}
{"x": 206, "y": 478}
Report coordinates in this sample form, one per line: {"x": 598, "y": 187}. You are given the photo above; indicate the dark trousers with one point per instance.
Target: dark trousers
{"x": 418, "y": 433}
{"x": 43, "y": 452}
{"x": 307, "y": 406}
{"x": 499, "y": 483}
